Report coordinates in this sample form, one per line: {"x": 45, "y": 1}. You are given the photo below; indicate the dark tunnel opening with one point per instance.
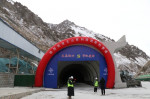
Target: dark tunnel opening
{"x": 83, "y": 72}
{"x": 75, "y": 70}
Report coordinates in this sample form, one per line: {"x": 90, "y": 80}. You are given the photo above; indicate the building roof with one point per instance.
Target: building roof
{"x": 12, "y": 40}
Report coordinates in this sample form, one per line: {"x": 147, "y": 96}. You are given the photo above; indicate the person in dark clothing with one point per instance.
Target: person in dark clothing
{"x": 95, "y": 84}
{"x": 102, "y": 86}
{"x": 70, "y": 87}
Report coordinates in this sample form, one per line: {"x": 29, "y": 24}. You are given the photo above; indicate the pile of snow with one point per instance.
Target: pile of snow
{"x": 86, "y": 92}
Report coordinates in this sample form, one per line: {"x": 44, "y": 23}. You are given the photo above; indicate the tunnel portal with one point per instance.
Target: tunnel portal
{"x": 83, "y": 57}
{"x": 80, "y": 61}
{"x": 82, "y": 71}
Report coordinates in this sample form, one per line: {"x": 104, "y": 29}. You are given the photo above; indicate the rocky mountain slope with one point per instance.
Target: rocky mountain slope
{"x": 144, "y": 70}
{"x": 44, "y": 35}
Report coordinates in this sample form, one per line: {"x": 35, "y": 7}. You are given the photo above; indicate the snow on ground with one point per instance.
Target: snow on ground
{"x": 5, "y": 91}
{"x": 83, "y": 91}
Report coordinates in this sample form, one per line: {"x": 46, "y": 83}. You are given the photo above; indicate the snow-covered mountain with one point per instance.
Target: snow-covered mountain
{"x": 44, "y": 35}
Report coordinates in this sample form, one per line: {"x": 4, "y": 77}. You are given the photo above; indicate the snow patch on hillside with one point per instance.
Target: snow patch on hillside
{"x": 12, "y": 2}
{"x": 83, "y": 32}
{"x": 121, "y": 60}
{"x": 141, "y": 61}
{"x": 79, "y": 31}
{"x": 6, "y": 9}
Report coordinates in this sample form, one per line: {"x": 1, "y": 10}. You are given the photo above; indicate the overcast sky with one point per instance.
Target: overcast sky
{"x": 112, "y": 18}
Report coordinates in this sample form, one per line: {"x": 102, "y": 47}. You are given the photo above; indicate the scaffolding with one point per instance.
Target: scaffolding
{"x": 16, "y": 66}
{"x": 21, "y": 52}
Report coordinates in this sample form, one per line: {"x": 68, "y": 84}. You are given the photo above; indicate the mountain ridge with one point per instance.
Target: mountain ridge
{"x": 44, "y": 35}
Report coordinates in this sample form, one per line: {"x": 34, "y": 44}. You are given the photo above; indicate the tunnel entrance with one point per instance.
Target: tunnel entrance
{"x": 82, "y": 71}
{"x": 82, "y": 62}
{"x": 92, "y": 57}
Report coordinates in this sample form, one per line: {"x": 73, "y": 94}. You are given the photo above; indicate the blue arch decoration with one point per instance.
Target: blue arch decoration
{"x": 73, "y": 53}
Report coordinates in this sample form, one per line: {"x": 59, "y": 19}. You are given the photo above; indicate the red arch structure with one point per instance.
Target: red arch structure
{"x": 75, "y": 41}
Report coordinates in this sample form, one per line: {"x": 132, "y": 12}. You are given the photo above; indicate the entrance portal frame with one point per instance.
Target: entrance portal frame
{"x": 77, "y": 41}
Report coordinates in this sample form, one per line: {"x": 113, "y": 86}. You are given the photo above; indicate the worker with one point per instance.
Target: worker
{"x": 102, "y": 86}
{"x": 95, "y": 84}
{"x": 70, "y": 87}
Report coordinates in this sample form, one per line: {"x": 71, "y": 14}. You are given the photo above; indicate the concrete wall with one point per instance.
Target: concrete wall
{"x": 115, "y": 46}
{"x": 6, "y": 80}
